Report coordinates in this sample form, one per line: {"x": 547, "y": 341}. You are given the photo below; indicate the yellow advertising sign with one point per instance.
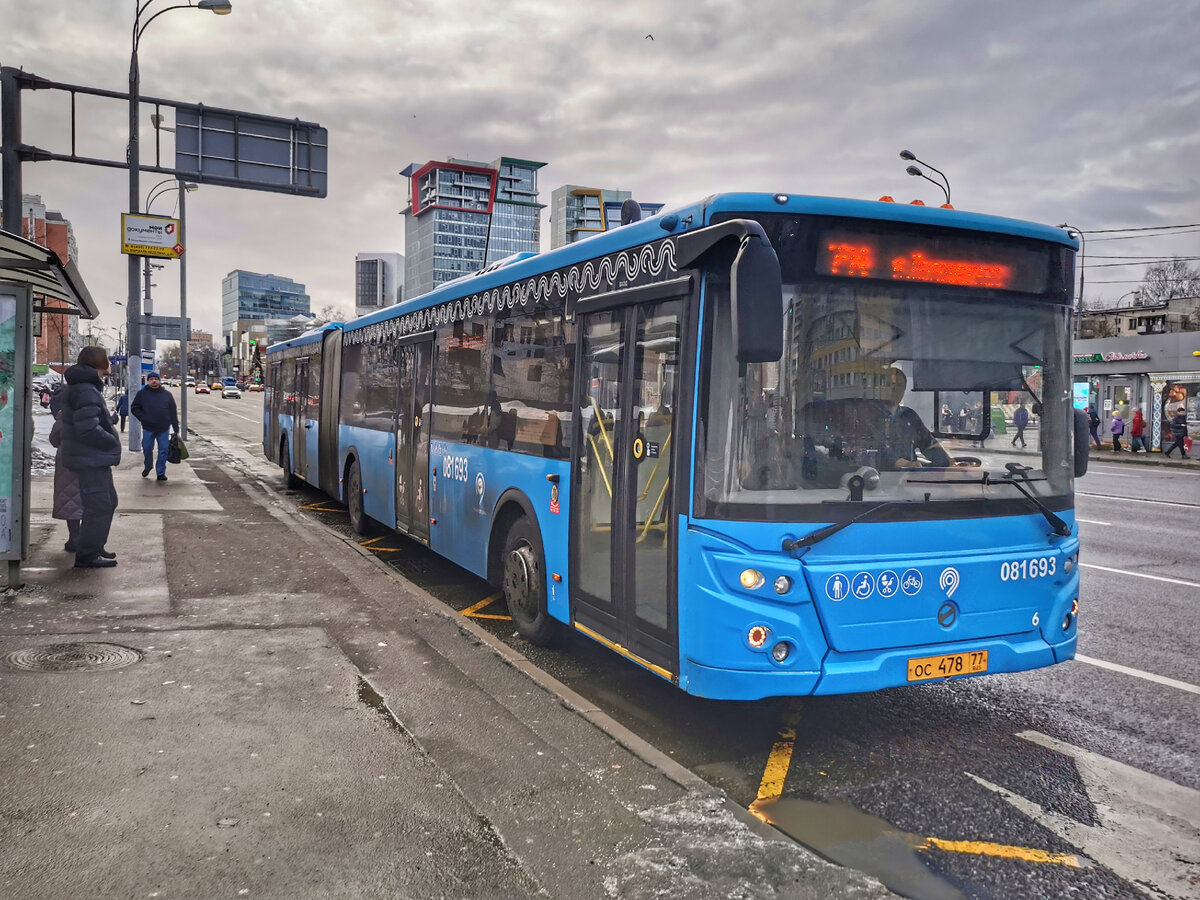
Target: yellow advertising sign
{"x": 150, "y": 236}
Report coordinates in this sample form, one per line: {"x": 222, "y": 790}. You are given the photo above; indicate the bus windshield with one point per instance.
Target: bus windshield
{"x": 926, "y": 393}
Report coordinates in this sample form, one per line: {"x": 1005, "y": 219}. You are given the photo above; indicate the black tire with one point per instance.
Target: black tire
{"x": 354, "y": 499}
{"x": 285, "y": 463}
{"x": 523, "y": 577}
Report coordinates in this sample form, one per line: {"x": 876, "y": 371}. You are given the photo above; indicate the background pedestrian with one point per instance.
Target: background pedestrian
{"x": 1179, "y": 433}
{"x": 154, "y": 407}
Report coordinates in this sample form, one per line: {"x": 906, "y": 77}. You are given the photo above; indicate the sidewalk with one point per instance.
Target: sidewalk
{"x": 250, "y": 705}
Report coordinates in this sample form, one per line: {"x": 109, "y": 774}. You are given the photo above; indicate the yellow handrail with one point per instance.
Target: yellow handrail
{"x": 600, "y": 463}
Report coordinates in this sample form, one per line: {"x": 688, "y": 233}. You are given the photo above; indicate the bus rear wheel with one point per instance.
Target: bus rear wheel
{"x": 285, "y": 463}
{"x": 354, "y": 499}
{"x": 524, "y": 580}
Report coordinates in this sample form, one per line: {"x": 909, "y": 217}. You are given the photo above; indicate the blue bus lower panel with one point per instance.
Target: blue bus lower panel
{"x": 755, "y": 621}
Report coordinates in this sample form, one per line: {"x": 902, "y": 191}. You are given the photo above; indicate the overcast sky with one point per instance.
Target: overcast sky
{"x": 1063, "y": 111}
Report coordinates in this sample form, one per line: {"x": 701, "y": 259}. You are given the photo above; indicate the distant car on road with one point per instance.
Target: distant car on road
{"x": 191, "y": 382}
{"x": 216, "y": 385}
{"x": 203, "y": 389}
{"x": 231, "y": 392}
{"x": 255, "y": 386}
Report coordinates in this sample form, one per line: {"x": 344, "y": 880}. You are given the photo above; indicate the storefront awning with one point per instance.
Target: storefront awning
{"x": 25, "y": 262}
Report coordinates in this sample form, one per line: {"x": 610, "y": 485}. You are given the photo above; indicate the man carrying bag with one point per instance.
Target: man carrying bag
{"x": 154, "y": 407}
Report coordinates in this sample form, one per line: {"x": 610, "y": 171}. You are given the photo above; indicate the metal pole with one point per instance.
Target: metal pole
{"x": 10, "y": 157}
{"x": 183, "y": 318}
{"x": 133, "y": 309}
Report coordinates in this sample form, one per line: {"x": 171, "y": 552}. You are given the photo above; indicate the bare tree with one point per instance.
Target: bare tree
{"x": 1169, "y": 280}
{"x": 331, "y": 312}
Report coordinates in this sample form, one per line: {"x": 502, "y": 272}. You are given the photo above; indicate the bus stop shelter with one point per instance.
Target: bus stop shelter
{"x": 29, "y": 275}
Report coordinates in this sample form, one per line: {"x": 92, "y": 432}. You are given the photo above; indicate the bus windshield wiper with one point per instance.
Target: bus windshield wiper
{"x": 1061, "y": 528}
{"x": 821, "y": 533}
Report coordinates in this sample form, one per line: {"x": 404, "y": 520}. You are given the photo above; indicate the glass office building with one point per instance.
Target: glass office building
{"x": 464, "y": 215}
{"x": 577, "y": 212}
{"x": 252, "y": 297}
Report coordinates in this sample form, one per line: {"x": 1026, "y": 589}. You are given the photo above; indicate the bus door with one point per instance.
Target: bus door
{"x": 412, "y": 436}
{"x": 623, "y": 538}
{"x": 300, "y": 424}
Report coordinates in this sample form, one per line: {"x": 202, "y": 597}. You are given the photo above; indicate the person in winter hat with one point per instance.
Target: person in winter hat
{"x": 1117, "y": 428}
{"x": 154, "y": 407}
{"x": 89, "y": 447}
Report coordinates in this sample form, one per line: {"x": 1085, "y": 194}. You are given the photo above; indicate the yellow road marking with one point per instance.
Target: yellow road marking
{"x": 984, "y": 848}
{"x": 370, "y": 542}
{"x": 778, "y": 763}
{"x": 318, "y": 507}
{"x": 473, "y": 611}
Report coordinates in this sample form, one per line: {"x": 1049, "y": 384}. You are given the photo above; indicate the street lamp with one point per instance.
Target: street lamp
{"x": 913, "y": 170}
{"x": 1077, "y": 233}
{"x": 184, "y": 188}
{"x": 133, "y": 311}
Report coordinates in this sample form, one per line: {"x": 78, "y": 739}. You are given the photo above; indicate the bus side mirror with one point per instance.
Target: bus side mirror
{"x": 1083, "y": 442}
{"x": 756, "y": 287}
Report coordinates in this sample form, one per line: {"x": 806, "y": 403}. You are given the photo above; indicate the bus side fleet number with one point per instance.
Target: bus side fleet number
{"x": 456, "y": 467}
{"x": 1039, "y": 567}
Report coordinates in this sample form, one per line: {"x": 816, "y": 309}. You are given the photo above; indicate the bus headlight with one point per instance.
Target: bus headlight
{"x": 781, "y": 651}
{"x": 752, "y": 579}
{"x": 783, "y": 584}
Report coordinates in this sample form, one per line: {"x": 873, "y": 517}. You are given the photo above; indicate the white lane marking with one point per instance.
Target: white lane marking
{"x": 1140, "y": 575}
{"x": 1114, "y": 474}
{"x": 1092, "y": 522}
{"x": 247, "y": 418}
{"x": 1138, "y": 673}
{"x": 1158, "y": 470}
{"x": 1147, "y": 827}
{"x": 1138, "y": 500}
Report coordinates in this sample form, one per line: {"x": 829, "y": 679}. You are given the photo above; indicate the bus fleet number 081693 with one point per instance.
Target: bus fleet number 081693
{"x": 1038, "y": 567}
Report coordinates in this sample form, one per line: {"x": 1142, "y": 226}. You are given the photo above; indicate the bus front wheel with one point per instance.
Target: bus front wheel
{"x": 354, "y": 499}
{"x": 524, "y": 573}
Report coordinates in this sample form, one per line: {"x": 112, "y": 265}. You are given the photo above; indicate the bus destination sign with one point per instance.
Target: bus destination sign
{"x": 959, "y": 261}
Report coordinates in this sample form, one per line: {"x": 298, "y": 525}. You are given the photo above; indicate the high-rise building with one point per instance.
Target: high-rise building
{"x": 464, "y": 215}
{"x": 56, "y": 341}
{"x": 250, "y": 297}
{"x": 578, "y": 212}
{"x": 378, "y": 281}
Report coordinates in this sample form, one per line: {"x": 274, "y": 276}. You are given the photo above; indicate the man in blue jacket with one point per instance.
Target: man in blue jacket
{"x": 154, "y": 407}
{"x": 90, "y": 447}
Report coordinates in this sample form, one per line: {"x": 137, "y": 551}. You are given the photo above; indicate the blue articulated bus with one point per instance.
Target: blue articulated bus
{"x": 762, "y": 445}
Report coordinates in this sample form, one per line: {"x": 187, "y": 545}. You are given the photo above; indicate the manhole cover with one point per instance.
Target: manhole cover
{"x": 85, "y": 656}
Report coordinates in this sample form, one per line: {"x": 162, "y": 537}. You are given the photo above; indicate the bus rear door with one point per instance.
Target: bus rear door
{"x": 412, "y": 436}
{"x": 623, "y": 538}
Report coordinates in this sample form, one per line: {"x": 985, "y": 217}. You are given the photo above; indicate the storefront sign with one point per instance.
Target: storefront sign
{"x": 1111, "y": 357}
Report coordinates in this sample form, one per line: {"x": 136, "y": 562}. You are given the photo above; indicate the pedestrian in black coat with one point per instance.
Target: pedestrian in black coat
{"x": 90, "y": 448}
{"x": 1179, "y": 433}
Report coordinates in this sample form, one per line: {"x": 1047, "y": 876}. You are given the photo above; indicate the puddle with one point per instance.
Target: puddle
{"x": 371, "y": 698}
{"x": 857, "y": 840}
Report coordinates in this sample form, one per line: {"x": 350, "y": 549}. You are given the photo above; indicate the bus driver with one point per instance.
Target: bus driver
{"x": 904, "y": 433}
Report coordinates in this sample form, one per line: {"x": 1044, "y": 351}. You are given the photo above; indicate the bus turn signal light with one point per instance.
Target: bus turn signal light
{"x": 757, "y": 636}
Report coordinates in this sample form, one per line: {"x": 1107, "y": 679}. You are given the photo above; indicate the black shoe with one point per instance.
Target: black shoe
{"x": 107, "y": 554}
{"x": 162, "y": 477}
{"x": 69, "y": 547}
{"x": 95, "y": 562}
{"x": 145, "y": 471}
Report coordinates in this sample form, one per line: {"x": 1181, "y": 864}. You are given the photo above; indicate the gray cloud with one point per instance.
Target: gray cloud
{"x": 1079, "y": 111}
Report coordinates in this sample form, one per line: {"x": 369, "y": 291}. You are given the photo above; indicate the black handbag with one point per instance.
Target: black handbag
{"x": 176, "y": 450}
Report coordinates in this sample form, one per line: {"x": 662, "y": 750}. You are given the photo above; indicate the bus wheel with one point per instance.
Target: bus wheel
{"x": 285, "y": 463}
{"x": 354, "y": 502}
{"x": 524, "y": 574}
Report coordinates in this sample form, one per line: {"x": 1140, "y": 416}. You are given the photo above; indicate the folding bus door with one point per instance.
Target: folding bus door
{"x": 623, "y": 540}
{"x": 300, "y": 423}
{"x": 412, "y": 436}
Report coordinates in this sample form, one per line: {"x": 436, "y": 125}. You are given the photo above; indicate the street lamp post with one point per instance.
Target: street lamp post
{"x": 1075, "y": 232}
{"x": 184, "y": 187}
{"x": 133, "y": 312}
{"x": 913, "y": 170}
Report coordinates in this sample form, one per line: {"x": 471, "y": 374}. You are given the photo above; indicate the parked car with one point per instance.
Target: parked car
{"x": 203, "y": 388}
{"x": 231, "y": 392}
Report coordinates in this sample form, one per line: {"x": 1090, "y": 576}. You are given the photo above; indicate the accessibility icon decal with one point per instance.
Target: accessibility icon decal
{"x": 888, "y": 583}
{"x": 864, "y": 585}
{"x": 837, "y": 587}
{"x": 911, "y": 581}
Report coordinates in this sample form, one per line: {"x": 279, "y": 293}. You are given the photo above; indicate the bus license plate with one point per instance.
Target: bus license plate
{"x": 927, "y": 667}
